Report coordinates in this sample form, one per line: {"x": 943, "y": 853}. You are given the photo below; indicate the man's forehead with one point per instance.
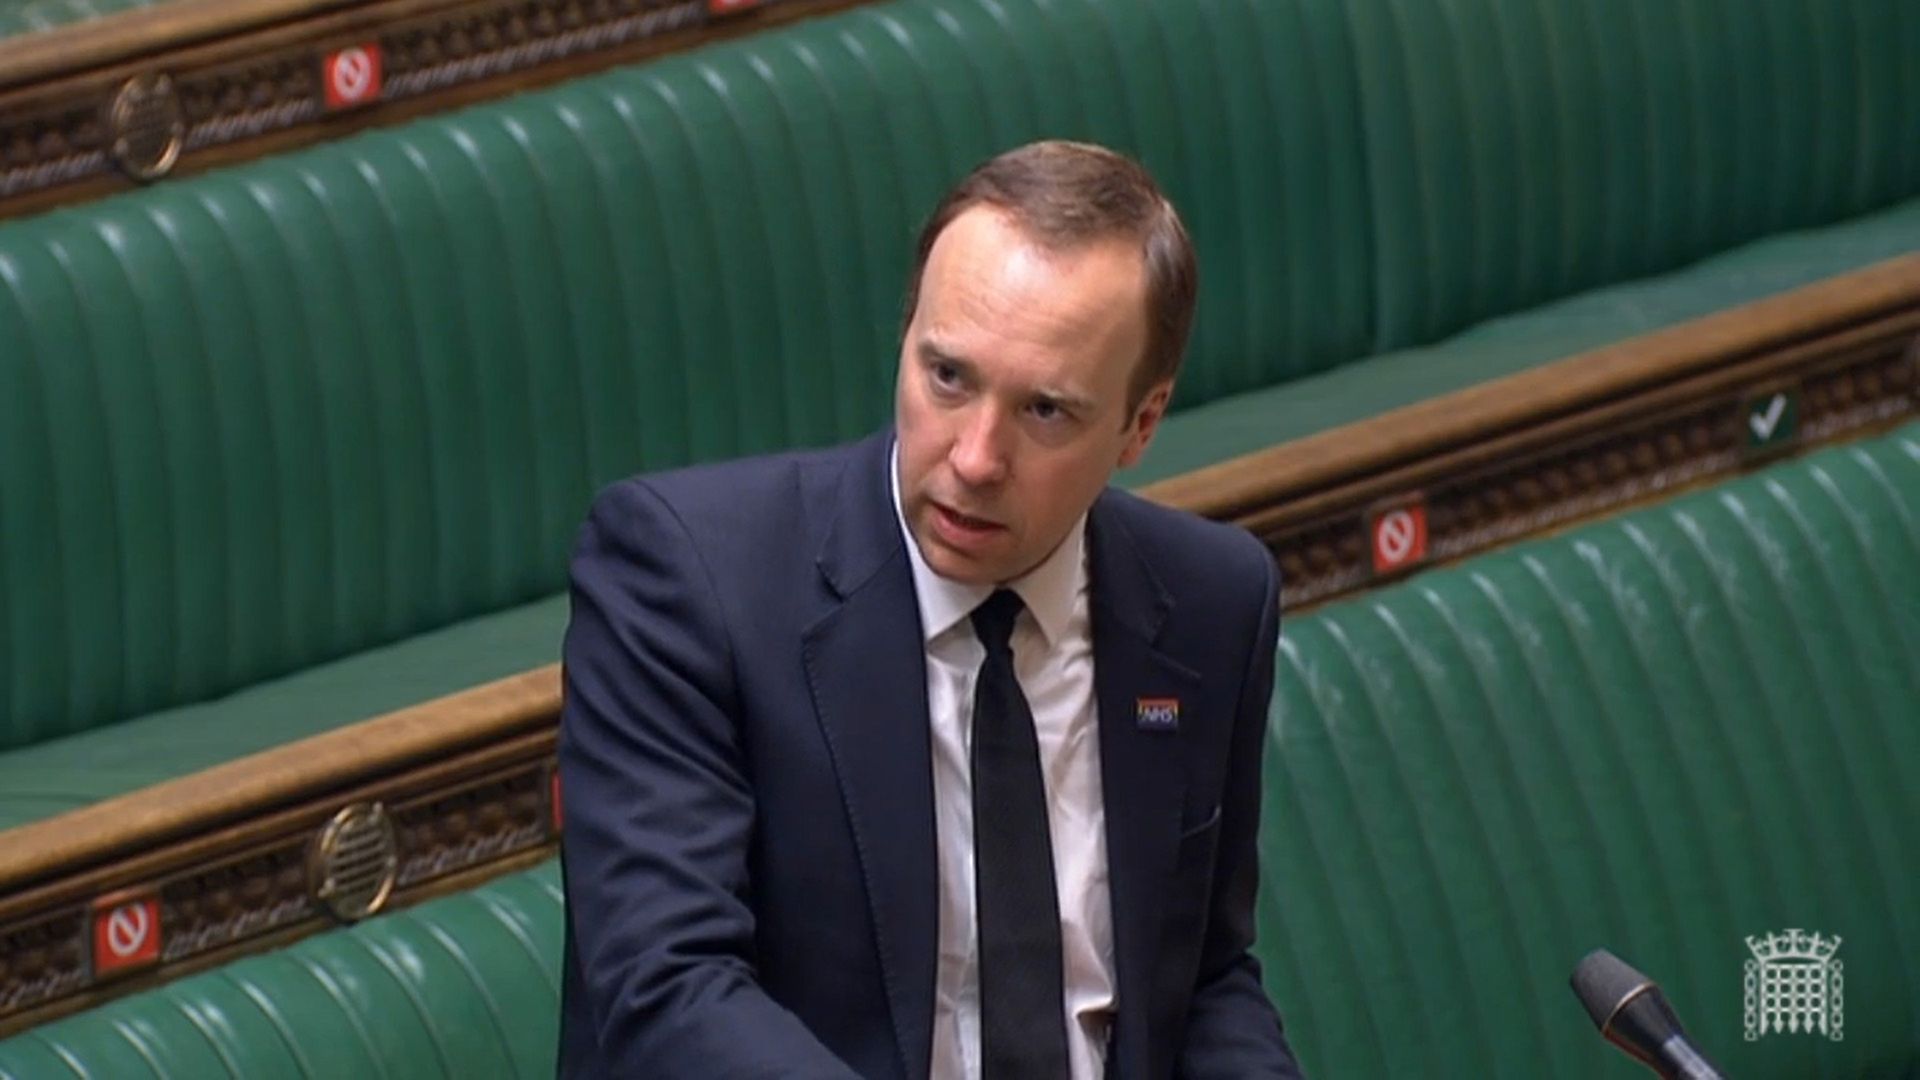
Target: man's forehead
{"x": 985, "y": 224}
{"x": 994, "y": 273}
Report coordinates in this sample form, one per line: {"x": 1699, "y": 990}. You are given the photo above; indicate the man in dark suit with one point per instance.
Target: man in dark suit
{"x": 932, "y": 755}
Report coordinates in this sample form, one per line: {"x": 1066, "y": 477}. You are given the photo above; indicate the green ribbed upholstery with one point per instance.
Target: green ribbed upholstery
{"x": 67, "y": 773}
{"x": 287, "y": 412}
{"x": 1659, "y": 734}
{"x": 1521, "y": 150}
{"x": 1245, "y": 423}
{"x": 462, "y": 988}
{"x": 301, "y": 411}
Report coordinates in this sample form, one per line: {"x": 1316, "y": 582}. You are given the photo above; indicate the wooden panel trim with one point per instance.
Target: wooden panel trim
{"x": 143, "y": 32}
{"x": 189, "y": 85}
{"x": 1572, "y": 439}
{"x": 469, "y": 780}
{"x": 1280, "y": 475}
{"x": 246, "y": 883}
{"x": 358, "y": 754}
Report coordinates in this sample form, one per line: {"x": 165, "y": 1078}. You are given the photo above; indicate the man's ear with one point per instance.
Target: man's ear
{"x": 1146, "y": 421}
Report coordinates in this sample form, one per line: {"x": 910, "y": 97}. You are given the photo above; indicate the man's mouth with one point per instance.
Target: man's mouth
{"x": 964, "y": 528}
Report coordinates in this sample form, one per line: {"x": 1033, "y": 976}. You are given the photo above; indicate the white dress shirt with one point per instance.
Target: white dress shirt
{"x": 1053, "y": 659}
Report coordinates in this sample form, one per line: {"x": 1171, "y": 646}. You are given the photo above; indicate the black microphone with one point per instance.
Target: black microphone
{"x": 1632, "y": 1013}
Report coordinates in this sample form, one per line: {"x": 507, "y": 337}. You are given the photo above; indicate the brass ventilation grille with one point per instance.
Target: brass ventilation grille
{"x": 354, "y": 862}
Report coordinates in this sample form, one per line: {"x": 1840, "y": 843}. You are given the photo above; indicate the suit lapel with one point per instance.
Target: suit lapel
{"x": 1143, "y": 769}
{"x": 866, "y": 668}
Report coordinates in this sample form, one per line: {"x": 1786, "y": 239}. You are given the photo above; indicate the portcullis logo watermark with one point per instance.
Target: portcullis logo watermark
{"x": 1793, "y": 985}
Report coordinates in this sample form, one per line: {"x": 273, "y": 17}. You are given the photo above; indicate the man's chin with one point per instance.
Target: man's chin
{"x": 962, "y": 570}
{"x": 955, "y": 564}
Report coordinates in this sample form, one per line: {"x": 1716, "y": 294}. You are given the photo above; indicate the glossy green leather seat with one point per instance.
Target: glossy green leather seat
{"x": 305, "y": 410}
{"x": 1661, "y": 733}
{"x": 308, "y": 410}
{"x": 1243, "y": 423}
{"x": 464, "y": 987}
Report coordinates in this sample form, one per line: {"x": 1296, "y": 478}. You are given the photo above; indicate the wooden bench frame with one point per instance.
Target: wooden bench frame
{"x": 468, "y": 781}
{"x": 1589, "y": 435}
{"x": 190, "y": 85}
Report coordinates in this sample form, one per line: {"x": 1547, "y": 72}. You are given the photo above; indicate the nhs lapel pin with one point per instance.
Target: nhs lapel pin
{"x": 1157, "y": 714}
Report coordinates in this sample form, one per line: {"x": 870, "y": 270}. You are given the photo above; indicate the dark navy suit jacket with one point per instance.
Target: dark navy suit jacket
{"x": 749, "y": 849}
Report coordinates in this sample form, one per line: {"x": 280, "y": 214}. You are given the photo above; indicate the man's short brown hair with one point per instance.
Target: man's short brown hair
{"x": 1066, "y": 194}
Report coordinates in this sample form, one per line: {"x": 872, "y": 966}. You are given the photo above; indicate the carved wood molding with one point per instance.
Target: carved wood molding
{"x": 103, "y": 105}
{"x": 1469, "y": 471}
{"x": 196, "y": 871}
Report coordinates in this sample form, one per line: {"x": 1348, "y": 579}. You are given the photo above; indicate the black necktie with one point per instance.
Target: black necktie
{"x": 1023, "y": 1034}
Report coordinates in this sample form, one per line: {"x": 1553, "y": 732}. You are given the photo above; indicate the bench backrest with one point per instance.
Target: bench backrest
{"x": 260, "y": 418}
{"x": 257, "y": 419}
{"x": 1519, "y": 152}
{"x": 464, "y": 986}
{"x": 1660, "y": 734}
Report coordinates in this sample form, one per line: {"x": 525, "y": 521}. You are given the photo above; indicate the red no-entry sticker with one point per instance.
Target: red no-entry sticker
{"x": 352, "y": 76}
{"x": 126, "y": 934}
{"x": 1399, "y": 538}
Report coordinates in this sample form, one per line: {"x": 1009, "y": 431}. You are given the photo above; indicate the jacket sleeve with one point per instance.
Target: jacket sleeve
{"x": 1233, "y": 1030}
{"x": 659, "y": 809}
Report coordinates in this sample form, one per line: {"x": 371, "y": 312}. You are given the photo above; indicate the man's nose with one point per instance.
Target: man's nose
{"x": 978, "y": 457}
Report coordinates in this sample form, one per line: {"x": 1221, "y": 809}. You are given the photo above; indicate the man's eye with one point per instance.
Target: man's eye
{"x": 946, "y": 374}
{"x": 1048, "y": 410}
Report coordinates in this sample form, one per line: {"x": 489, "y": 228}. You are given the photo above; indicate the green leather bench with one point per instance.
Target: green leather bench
{"x": 294, "y": 443}
{"x": 463, "y": 987}
{"x": 1661, "y": 733}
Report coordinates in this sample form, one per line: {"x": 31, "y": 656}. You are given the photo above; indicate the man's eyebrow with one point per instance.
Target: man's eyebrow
{"x": 1067, "y": 400}
{"x": 932, "y": 352}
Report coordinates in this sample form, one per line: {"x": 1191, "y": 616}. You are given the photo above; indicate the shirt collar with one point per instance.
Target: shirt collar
{"x": 1049, "y": 590}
